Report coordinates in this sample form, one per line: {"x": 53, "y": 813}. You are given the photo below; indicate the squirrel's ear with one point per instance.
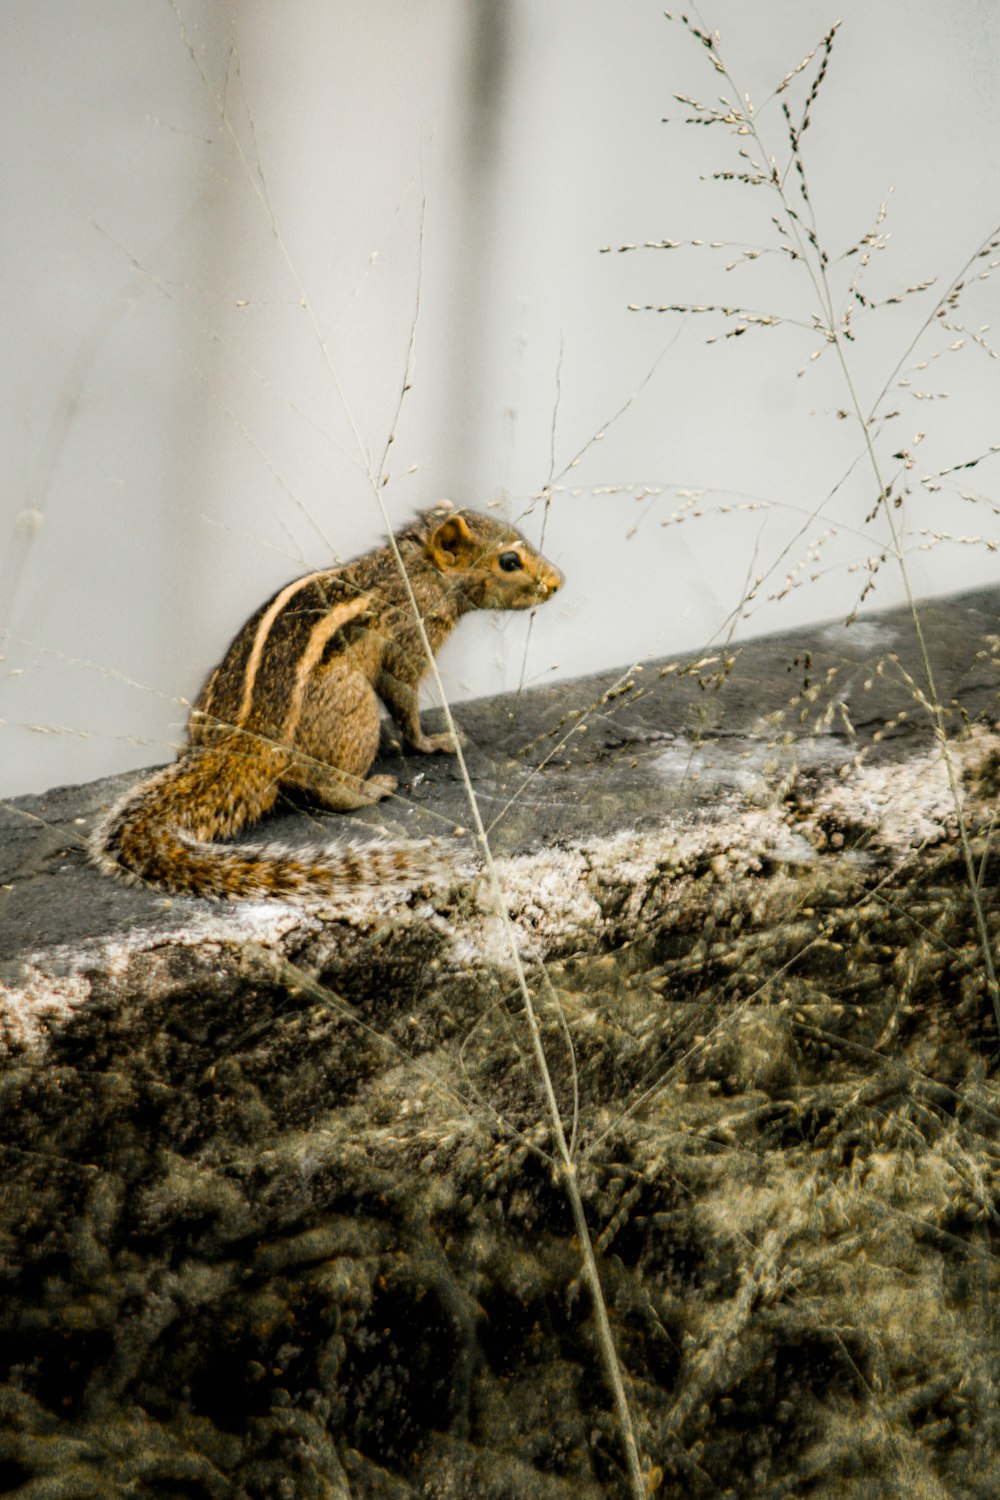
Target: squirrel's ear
{"x": 450, "y": 544}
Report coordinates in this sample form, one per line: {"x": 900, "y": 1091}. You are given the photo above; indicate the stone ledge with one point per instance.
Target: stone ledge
{"x": 279, "y": 1215}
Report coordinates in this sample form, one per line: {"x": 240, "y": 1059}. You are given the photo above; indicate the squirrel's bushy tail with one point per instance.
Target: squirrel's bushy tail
{"x": 149, "y": 837}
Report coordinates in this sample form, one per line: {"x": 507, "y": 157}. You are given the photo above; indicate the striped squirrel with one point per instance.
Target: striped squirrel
{"x": 294, "y": 703}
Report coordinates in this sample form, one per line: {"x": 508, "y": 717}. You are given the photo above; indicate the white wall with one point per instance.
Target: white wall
{"x": 211, "y": 243}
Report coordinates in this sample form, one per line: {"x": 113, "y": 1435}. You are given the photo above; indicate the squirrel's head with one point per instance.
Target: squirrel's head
{"x": 488, "y": 562}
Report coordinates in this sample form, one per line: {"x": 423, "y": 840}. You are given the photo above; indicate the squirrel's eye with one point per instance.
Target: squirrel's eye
{"x": 510, "y": 562}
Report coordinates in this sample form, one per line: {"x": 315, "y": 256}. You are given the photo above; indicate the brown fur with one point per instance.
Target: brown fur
{"x": 294, "y": 703}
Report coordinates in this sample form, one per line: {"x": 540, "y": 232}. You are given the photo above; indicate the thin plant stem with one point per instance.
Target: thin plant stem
{"x": 812, "y": 259}
{"x": 564, "y": 1150}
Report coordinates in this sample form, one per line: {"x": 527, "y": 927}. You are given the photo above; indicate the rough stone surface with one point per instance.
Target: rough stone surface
{"x": 280, "y": 1213}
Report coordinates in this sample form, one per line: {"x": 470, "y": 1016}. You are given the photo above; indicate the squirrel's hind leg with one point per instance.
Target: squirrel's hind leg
{"x": 336, "y": 740}
{"x": 336, "y": 789}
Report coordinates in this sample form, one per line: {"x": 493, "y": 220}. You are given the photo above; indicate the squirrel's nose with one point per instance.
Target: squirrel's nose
{"x": 550, "y": 580}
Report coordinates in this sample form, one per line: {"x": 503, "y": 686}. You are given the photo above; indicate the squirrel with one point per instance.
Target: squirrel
{"x": 294, "y": 704}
